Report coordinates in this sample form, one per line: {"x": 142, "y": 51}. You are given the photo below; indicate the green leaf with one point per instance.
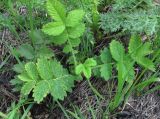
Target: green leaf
{"x": 106, "y": 56}
{"x": 27, "y": 51}
{"x": 106, "y": 71}
{"x": 19, "y": 68}
{"x": 58, "y": 89}
{"x": 67, "y": 48}
{"x": 59, "y": 71}
{"x": 117, "y": 50}
{"x": 31, "y": 70}
{"x": 56, "y": 10}
{"x": 60, "y": 39}
{"x": 86, "y": 67}
{"x": 79, "y": 69}
{"x": 87, "y": 72}
{"x": 76, "y": 31}
{"x": 75, "y": 42}
{"x": 41, "y": 90}
{"x": 126, "y": 70}
{"x": 45, "y": 52}
{"x": 138, "y": 52}
{"x": 106, "y": 68}
{"x": 27, "y": 87}
{"x": 53, "y": 28}
{"x": 74, "y": 17}
{"x": 90, "y": 62}
{"x": 44, "y": 69}
{"x": 60, "y": 86}
{"x": 24, "y": 77}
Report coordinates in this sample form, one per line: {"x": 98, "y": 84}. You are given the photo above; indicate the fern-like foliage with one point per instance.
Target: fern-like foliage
{"x": 135, "y": 18}
{"x": 121, "y": 4}
{"x": 46, "y": 77}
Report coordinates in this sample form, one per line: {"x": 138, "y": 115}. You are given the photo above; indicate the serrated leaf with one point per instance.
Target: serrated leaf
{"x": 60, "y": 86}
{"x": 19, "y": 68}
{"x": 41, "y": 90}
{"x": 24, "y": 77}
{"x": 44, "y": 69}
{"x": 45, "y": 52}
{"x": 86, "y": 67}
{"x": 56, "y": 10}
{"x": 76, "y": 31}
{"x": 106, "y": 68}
{"x": 126, "y": 70}
{"x": 16, "y": 81}
{"x": 53, "y": 28}
{"x": 90, "y": 62}
{"x": 87, "y": 72}
{"x": 27, "y": 51}
{"x": 106, "y": 71}
{"x": 60, "y": 39}
{"x": 138, "y": 52}
{"x": 59, "y": 71}
{"x": 67, "y": 48}
{"x": 117, "y": 50}
{"x": 106, "y": 56}
{"x": 31, "y": 70}
{"x": 27, "y": 87}
{"x": 55, "y": 80}
{"x": 37, "y": 36}
{"x": 74, "y": 17}
{"x": 58, "y": 89}
{"x": 75, "y": 42}
{"x": 79, "y": 69}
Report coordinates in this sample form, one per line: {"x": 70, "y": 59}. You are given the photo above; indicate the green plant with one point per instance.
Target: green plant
{"x": 124, "y": 64}
{"x": 137, "y": 17}
{"x": 41, "y": 73}
{"x": 66, "y": 29}
{"x": 46, "y": 77}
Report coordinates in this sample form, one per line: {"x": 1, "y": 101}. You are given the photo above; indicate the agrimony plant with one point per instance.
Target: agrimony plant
{"x": 46, "y": 77}
{"x": 66, "y": 28}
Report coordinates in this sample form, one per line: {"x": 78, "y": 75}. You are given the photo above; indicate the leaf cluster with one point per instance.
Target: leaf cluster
{"x": 46, "y": 77}
{"x": 66, "y": 28}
